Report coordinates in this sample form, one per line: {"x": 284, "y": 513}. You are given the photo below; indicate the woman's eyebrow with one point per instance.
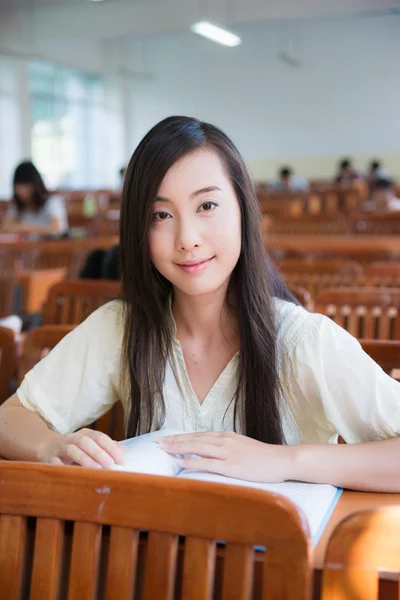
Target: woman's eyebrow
{"x": 206, "y": 190}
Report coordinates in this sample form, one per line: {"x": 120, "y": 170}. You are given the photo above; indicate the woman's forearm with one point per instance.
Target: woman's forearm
{"x": 372, "y": 466}
{"x": 23, "y": 434}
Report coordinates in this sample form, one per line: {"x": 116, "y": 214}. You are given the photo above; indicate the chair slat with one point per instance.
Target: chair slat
{"x": 85, "y": 551}
{"x": 121, "y": 563}
{"x": 161, "y": 562}
{"x": 65, "y": 310}
{"x": 47, "y": 558}
{"x": 198, "y": 569}
{"x": 13, "y": 531}
{"x": 238, "y": 572}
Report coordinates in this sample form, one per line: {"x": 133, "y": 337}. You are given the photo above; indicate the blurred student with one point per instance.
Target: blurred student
{"x": 383, "y": 197}
{"x": 287, "y": 182}
{"x": 32, "y": 208}
{"x": 374, "y": 174}
{"x": 346, "y": 174}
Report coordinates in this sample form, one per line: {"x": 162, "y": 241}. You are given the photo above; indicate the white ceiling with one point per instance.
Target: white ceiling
{"x": 120, "y": 18}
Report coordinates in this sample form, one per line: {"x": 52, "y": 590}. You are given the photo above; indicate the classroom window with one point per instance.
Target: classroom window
{"x": 76, "y": 119}
{"x": 10, "y": 125}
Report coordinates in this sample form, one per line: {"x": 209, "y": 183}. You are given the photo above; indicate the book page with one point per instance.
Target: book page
{"x": 316, "y": 501}
{"x": 144, "y": 455}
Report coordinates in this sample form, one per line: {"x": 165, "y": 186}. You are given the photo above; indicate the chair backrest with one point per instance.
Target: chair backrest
{"x": 7, "y": 290}
{"x": 78, "y": 530}
{"x": 8, "y": 361}
{"x": 360, "y": 547}
{"x": 318, "y": 275}
{"x": 372, "y": 313}
{"x": 70, "y": 302}
{"x": 384, "y": 352}
{"x": 376, "y": 223}
{"x": 302, "y": 295}
{"x": 382, "y": 274}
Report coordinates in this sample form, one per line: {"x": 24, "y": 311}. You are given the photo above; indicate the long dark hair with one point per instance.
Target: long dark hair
{"x": 26, "y": 172}
{"x": 254, "y": 281}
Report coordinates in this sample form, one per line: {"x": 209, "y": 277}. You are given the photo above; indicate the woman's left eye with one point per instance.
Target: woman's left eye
{"x": 208, "y": 206}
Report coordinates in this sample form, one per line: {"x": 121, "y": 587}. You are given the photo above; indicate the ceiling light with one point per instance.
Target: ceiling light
{"x": 215, "y": 33}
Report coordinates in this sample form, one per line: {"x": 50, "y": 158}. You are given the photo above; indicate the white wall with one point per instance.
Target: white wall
{"x": 344, "y": 99}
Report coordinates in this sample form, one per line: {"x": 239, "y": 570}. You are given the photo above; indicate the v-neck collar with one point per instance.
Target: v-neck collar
{"x": 221, "y": 383}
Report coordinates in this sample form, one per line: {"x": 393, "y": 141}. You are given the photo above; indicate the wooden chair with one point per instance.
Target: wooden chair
{"x": 70, "y": 302}
{"x": 361, "y": 546}
{"x": 302, "y": 295}
{"x": 317, "y": 275}
{"x": 79, "y": 530}
{"x": 8, "y": 361}
{"x": 384, "y": 352}
{"x": 386, "y": 223}
{"x": 7, "y": 290}
{"x": 37, "y": 345}
{"x": 370, "y": 313}
{"x": 382, "y": 274}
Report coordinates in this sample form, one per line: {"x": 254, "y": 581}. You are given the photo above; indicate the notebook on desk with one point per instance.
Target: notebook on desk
{"x": 316, "y": 501}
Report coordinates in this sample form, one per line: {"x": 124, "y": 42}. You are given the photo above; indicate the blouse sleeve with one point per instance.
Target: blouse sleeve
{"x": 340, "y": 386}
{"x": 79, "y": 380}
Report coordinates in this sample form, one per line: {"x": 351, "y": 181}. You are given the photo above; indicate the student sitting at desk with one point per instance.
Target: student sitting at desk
{"x": 206, "y": 339}
{"x": 32, "y": 209}
{"x": 383, "y": 198}
{"x": 287, "y": 182}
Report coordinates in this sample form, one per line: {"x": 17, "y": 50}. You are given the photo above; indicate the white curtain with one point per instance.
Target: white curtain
{"x": 10, "y": 124}
{"x": 77, "y": 128}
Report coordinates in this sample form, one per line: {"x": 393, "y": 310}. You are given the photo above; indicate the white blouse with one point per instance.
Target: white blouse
{"x": 54, "y": 207}
{"x": 330, "y": 387}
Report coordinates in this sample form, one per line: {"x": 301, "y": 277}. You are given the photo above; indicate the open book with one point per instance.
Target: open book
{"x": 144, "y": 455}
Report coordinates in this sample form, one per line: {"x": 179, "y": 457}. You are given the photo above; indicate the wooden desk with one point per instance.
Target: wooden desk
{"x": 351, "y": 502}
{"x": 337, "y": 245}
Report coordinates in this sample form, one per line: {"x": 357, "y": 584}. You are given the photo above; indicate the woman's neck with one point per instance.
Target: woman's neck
{"x": 206, "y": 317}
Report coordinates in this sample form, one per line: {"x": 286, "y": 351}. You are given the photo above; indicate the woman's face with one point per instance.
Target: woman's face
{"x": 195, "y": 235}
{"x": 24, "y": 191}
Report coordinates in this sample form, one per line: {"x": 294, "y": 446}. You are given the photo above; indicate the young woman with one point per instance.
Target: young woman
{"x": 206, "y": 340}
{"x": 32, "y": 208}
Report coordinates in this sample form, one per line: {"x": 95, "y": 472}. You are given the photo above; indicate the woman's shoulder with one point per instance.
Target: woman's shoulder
{"x": 107, "y": 321}
{"x": 293, "y": 322}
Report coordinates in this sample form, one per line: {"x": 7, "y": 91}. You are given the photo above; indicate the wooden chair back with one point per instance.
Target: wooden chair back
{"x": 7, "y": 291}
{"x": 70, "y": 302}
{"x": 302, "y": 295}
{"x": 387, "y": 223}
{"x": 8, "y": 361}
{"x": 78, "y": 531}
{"x": 382, "y": 274}
{"x": 384, "y": 352}
{"x": 317, "y": 275}
{"x": 372, "y": 313}
{"x": 361, "y": 546}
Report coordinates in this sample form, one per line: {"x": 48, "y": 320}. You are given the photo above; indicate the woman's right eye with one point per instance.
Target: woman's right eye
{"x": 160, "y": 216}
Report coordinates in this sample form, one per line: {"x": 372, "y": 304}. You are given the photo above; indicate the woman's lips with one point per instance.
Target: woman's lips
{"x": 197, "y": 267}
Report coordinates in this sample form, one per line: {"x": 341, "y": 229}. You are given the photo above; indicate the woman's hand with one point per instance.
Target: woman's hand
{"x": 230, "y": 454}
{"x": 86, "y": 447}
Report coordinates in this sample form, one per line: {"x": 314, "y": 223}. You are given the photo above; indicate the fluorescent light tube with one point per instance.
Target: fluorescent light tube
{"x": 215, "y": 33}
